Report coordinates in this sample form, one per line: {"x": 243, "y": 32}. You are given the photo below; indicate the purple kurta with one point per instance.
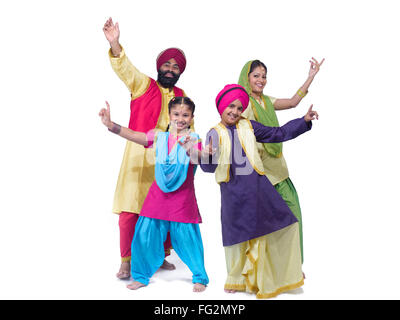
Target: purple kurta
{"x": 250, "y": 205}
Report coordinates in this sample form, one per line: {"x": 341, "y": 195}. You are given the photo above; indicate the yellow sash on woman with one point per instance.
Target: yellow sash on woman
{"x": 248, "y": 141}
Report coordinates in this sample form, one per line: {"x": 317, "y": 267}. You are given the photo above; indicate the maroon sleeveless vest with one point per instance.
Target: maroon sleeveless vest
{"x": 145, "y": 110}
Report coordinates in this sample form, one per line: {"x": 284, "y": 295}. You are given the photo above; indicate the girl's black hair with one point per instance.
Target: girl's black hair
{"x": 255, "y": 64}
{"x": 181, "y": 100}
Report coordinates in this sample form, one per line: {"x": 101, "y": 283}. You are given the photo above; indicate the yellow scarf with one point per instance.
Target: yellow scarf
{"x": 249, "y": 144}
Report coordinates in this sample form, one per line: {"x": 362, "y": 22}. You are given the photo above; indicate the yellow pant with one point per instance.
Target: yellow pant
{"x": 268, "y": 265}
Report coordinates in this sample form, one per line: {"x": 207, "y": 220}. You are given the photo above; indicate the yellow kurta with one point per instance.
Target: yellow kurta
{"x": 275, "y": 168}
{"x": 137, "y": 169}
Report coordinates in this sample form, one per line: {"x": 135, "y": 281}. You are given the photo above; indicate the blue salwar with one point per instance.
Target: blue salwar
{"x": 148, "y": 248}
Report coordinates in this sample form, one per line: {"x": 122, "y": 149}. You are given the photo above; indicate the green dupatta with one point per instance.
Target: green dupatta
{"x": 266, "y": 116}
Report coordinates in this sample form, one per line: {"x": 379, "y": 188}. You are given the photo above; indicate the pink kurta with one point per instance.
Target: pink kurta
{"x": 177, "y": 206}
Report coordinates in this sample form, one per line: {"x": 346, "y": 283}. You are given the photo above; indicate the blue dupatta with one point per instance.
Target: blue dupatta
{"x": 171, "y": 169}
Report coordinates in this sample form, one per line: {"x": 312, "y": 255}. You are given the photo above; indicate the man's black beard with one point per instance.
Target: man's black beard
{"x": 167, "y": 82}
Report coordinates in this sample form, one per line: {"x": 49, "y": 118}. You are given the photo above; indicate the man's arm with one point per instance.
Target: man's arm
{"x": 111, "y": 31}
{"x": 136, "y": 81}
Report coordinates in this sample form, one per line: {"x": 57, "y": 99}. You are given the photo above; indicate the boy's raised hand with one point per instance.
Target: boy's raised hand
{"x": 105, "y": 116}
{"x": 208, "y": 149}
{"x": 311, "y": 115}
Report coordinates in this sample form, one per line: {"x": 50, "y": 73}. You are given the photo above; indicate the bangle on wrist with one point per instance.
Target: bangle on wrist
{"x": 116, "y": 128}
{"x": 301, "y": 94}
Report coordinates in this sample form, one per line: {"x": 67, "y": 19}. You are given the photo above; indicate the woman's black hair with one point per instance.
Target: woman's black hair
{"x": 181, "y": 100}
{"x": 255, "y": 64}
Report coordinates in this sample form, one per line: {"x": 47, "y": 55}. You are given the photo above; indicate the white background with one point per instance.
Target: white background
{"x": 59, "y": 165}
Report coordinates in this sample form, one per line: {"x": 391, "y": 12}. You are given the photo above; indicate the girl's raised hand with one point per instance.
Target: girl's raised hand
{"x": 105, "y": 116}
{"x": 188, "y": 142}
{"x": 311, "y": 115}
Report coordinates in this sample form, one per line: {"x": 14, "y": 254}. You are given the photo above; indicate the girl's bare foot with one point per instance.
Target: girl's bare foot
{"x": 198, "y": 287}
{"x": 167, "y": 266}
{"x": 229, "y": 291}
{"x": 124, "y": 271}
{"x": 135, "y": 285}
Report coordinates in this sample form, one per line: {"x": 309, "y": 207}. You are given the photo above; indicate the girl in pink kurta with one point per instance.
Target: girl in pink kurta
{"x": 179, "y": 205}
{"x": 170, "y": 205}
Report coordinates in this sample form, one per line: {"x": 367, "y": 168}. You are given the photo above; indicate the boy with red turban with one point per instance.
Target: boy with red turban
{"x": 260, "y": 233}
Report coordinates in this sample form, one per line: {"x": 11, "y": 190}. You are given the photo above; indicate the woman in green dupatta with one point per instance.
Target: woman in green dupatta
{"x": 262, "y": 109}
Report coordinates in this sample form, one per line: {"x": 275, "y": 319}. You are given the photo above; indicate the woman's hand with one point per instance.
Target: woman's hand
{"x": 282, "y": 104}
{"x": 105, "y": 116}
{"x": 314, "y": 67}
{"x": 311, "y": 115}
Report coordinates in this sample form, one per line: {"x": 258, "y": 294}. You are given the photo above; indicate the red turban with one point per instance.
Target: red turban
{"x": 172, "y": 53}
{"x": 230, "y": 93}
